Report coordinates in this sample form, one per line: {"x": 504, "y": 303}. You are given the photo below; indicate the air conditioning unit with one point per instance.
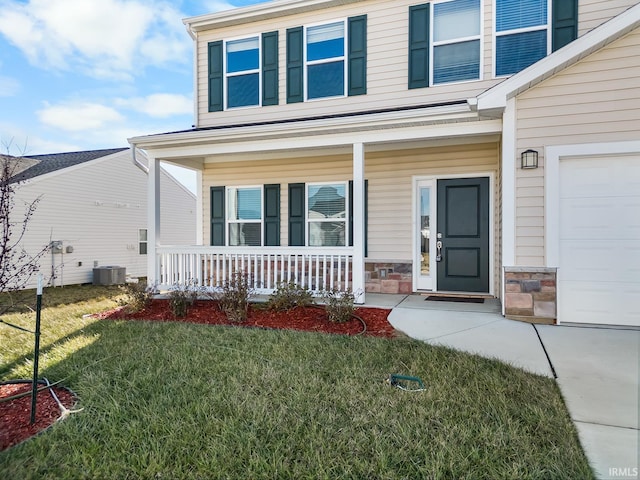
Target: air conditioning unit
{"x": 110, "y": 275}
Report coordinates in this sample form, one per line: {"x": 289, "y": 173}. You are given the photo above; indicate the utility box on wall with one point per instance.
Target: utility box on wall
{"x": 109, "y": 275}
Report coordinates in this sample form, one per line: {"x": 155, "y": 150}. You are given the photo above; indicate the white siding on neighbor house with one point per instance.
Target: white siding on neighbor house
{"x": 97, "y": 208}
{"x": 387, "y": 65}
{"x": 595, "y": 100}
{"x": 177, "y": 212}
{"x": 592, "y": 13}
{"x": 390, "y": 175}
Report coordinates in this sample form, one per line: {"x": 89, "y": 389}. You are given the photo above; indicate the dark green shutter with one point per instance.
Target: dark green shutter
{"x": 564, "y": 22}
{"x": 270, "y": 68}
{"x": 295, "y": 65}
{"x": 215, "y": 77}
{"x": 217, "y": 216}
{"x": 357, "y": 62}
{"x": 419, "y": 46}
{"x": 272, "y": 215}
{"x": 297, "y": 217}
{"x": 366, "y": 216}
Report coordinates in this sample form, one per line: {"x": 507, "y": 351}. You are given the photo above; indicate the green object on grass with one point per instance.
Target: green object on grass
{"x": 394, "y": 380}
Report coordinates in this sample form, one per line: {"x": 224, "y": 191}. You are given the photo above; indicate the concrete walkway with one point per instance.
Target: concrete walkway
{"x": 597, "y": 369}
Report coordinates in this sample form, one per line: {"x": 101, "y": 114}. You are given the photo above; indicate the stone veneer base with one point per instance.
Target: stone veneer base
{"x": 388, "y": 277}
{"x": 530, "y": 294}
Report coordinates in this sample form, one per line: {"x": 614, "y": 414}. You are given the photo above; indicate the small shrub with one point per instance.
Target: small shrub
{"x": 138, "y": 295}
{"x": 339, "y": 305}
{"x": 289, "y": 295}
{"x": 181, "y": 297}
{"x": 235, "y": 295}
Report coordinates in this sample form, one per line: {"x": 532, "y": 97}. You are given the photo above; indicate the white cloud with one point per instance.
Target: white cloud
{"x": 81, "y": 116}
{"x": 8, "y": 86}
{"x": 17, "y": 142}
{"x": 101, "y": 38}
{"x": 159, "y": 105}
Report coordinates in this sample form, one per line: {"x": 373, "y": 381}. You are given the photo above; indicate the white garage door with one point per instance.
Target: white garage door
{"x": 599, "y": 274}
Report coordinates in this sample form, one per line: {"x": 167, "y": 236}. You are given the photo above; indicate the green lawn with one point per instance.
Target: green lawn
{"x": 172, "y": 401}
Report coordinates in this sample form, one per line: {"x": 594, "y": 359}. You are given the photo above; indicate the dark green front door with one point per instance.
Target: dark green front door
{"x": 462, "y": 258}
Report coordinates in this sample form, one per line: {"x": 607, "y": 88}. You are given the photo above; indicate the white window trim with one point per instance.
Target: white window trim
{"x": 433, "y": 44}
{"x": 515, "y": 31}
{"x": 228, "y": 222}
{"x": 226, "y": 75}
{"x": 325, "y": 60}
{"x": 323, "y": 220}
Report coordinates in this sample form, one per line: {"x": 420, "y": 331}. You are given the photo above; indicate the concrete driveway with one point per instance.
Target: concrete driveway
{"x": 597, "y": 369}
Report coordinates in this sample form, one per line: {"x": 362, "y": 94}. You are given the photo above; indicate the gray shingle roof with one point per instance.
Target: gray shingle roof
{"x": 57, "y": 161}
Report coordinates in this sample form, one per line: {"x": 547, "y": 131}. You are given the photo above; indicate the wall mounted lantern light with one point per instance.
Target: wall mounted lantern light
{"x": 529, "y": 159}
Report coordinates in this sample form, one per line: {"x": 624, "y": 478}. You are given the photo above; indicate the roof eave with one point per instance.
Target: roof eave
{"x": 448, "y": 113}
{"x": 261, "y": 11}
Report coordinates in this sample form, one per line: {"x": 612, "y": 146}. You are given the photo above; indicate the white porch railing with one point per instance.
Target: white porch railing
{"x": 316, "y": 269}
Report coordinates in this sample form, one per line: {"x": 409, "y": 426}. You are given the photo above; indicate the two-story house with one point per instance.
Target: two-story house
{"x": 473, "y": 146}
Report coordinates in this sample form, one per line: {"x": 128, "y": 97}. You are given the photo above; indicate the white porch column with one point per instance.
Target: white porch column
{"x": 153, "y": 219}
{"x": 357, "y": 271}
{"x": 199, "y": 209}
{"x": 508, "y": 193}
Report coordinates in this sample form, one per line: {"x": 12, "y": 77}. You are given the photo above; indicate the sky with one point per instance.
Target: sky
{"x": 88, "y": 74}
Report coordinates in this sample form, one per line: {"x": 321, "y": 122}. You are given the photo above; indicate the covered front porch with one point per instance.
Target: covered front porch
{"x": 380, "y": 163}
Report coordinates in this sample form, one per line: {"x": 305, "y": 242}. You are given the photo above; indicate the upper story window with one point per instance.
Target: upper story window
{"x": 445, "y": 37}
{"x": 522, "y": 34}
{"x": 243, "y": 72}
{"x": 325, "y": 60}
{"x": 444, "y": 42}
{"x": 328, "y": 60}
{"x": 456, "y": 41}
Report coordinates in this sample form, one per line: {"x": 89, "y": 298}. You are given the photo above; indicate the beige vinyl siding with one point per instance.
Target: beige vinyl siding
{"x": 390, "y": 175}
{"x": 596, "y": 100}
{"x": 592, "y": 13}
{"x": 98, "y": 208}
{"x": 387, "y": 65}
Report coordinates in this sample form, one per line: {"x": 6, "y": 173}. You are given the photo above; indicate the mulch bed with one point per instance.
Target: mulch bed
{"x": 15, "y": 415}
{"x": 312, "y": 319}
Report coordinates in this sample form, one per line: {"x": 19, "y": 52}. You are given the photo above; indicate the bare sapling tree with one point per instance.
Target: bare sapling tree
{"x": 17, "y": 264}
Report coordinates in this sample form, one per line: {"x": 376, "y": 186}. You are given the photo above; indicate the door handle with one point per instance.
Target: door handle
{"x": 439, "y": 251}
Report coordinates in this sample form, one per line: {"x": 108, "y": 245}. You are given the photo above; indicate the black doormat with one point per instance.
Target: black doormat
{"x": 435, "y": 298}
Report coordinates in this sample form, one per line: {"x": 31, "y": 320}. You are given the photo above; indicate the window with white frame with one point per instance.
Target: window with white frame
{"x": 244, "y": 216}
{"x": 456, "y": 34}
{"x": 142, "y": 241}
{"x": 243, "y": 72}
{"x": 325, "y": 60}
{"x": 522, "y": 34}
{"x": 327, "y": 214}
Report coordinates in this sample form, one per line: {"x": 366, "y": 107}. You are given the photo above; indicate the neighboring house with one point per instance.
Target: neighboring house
{"x": 473, "y": 146}
{"x": 93, "y": 212}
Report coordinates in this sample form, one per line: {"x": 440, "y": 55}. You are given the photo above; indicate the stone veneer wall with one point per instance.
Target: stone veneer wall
{"x": 388, "y": 277}
{"x": 530, "y": 294}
